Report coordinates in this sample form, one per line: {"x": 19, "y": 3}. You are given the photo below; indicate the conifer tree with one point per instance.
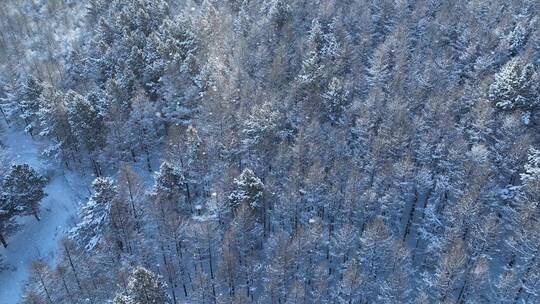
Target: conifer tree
{"x": 95, "y": 215}
{"x": 54, "y": 125}
{"x": 515, "y": 86}
{"x": 169, "y": 190}
{"x": 335, "y": 101}
{"x": 23, "y": 188}
{"x": 248, "y": 191}
{"x": 28, "y": 101}
{"x": 144, "y": 287}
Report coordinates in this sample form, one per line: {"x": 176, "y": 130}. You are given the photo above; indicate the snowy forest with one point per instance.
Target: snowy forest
{"x": 269, "y": 151}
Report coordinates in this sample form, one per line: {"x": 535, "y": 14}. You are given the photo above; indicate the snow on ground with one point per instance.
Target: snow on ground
{"x": 35, "y": 239}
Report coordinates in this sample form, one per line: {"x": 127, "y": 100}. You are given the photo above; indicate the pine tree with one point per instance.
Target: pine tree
{"x": 23, "y": 188}
{"x": 142, "y": 130}
{"x": 179, "y": 41}
{"x": 194, "y": 164}
{"x": 311, "y": 71}
{"x": 169, "y": 189}
{"x": 144, "y": 287}
{"x": 178, "y": 53}
{"x": 248, "y": 191}
{"x": 380, "y": 66}
{"x": 87, "y": 125}
{"x": 531, "y": 176}
{"x": 515, "y": 86}
{"x": 518, "y": 37}
{"x": 94, "y": 224}
{"x": 335, "y": 101}
{"x": 152, "y": 64}
{"x": 261, "y": 125}
{"x": 261, "y": 133}
{"x": 28, "y": 101}
{"x": 54, "y": 124}
{"x": 382, "y": 18}
{"x": 86, "y": 122}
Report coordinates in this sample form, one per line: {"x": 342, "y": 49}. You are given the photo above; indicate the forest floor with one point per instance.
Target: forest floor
{"x": 38, "y": 239}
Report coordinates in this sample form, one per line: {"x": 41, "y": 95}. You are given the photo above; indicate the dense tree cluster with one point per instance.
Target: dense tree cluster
{"x": 304, "y": 151}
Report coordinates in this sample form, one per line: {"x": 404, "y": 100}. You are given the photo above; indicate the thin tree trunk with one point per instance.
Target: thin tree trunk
{"x": 211, "y": 270}
{"x": 67, "y": 290}
{"x": 132, "y": 200}
{"x": 75, "y": 273}
{"x": 3, "y": 241}
{"x": 148, "y": 163}
{"x": 4, "y": 115}
{"x": 45, "y": 288}
{"x": 411, "y": 216}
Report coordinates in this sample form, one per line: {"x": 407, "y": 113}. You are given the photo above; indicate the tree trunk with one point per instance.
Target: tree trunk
{"x": 411, "y": 216}
{"x": 132, "y": 200}
{"x": 96, "y": 172}
{"x": 4, "y": 115}
{"x": 67, "y": 290}
{"x": 133, "y": 157}
{"x": 45, "y": 288}
{"x": 3, "y": 241}
{"x": 73, "y": 268}
{"x": 148, "y": 163}
{"x": 211, "y": 270}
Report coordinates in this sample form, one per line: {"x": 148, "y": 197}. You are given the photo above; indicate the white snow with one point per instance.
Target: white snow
{"x": 35, "y": 239}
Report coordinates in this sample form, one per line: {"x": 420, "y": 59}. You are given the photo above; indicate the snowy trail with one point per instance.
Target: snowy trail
{"x": 65, "y": 191}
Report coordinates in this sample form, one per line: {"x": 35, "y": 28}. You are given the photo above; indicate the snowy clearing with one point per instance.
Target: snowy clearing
{"x": 65, "y": 191}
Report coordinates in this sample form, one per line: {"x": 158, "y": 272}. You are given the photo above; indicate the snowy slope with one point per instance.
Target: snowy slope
{"x": 65, "y": 191}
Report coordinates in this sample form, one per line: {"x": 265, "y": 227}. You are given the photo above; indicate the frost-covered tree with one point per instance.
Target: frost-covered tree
{"x": 169, "y": 190}
{"x": 87, "y": 125}
{"x": 143, "y": 287}
{"x": 194, "y": 163}
{"x": 27, "y": 101}
{"x": 335, "y": 100}
{"x": 131, "y": 189}
{"x": 95, "y": 220}
{"x": 531, "y": 176}
{"x": 517, "y": 38}
{"x": 142, "y": 130}
{"x": 312, "y": 65}
{"x": 23, "y": 188}
{"x": 248, "y": 192}
{"x": 515, "y": 86}
{"x": 86, "y": 122}
{"x": 261, "y": 133}
{"x": 380, "y": 66}
{"x": 29, "y": 104}
{"x": 54, "y": 125}
{"x": 179, "y": 86}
